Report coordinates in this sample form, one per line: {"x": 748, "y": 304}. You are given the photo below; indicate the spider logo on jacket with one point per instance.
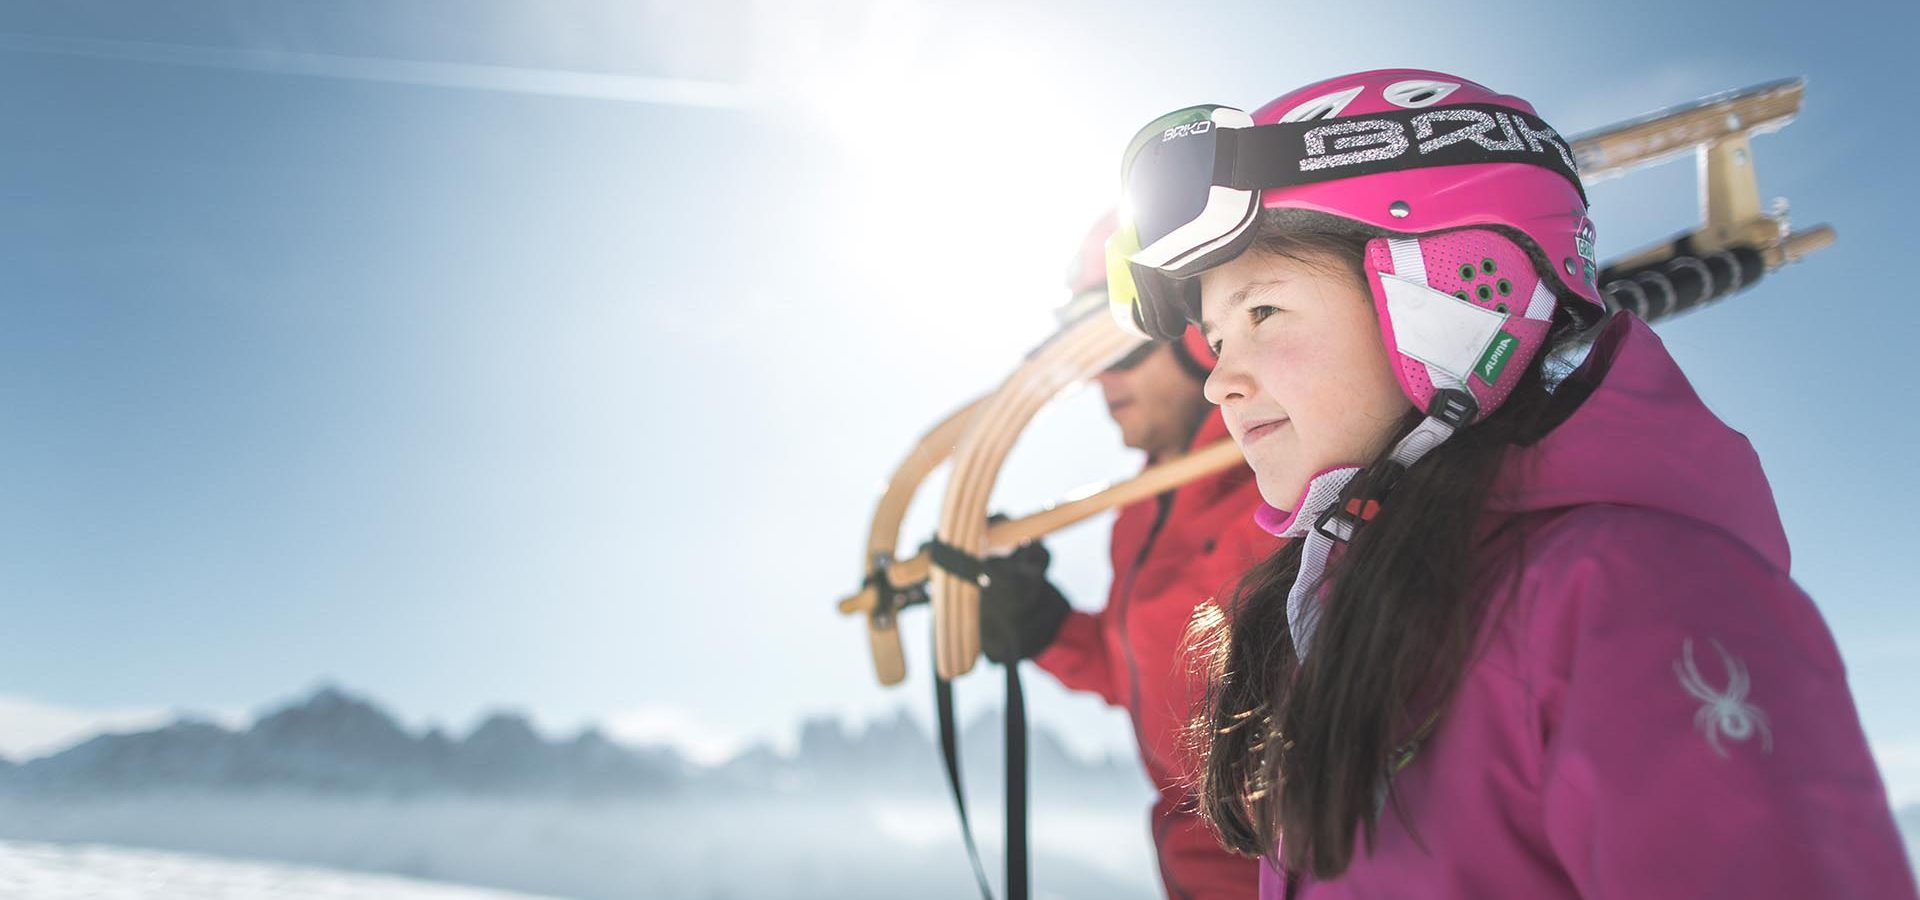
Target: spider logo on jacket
{"x": 1723, "y": 713}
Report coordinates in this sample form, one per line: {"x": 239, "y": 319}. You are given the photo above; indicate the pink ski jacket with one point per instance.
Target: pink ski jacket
{"x": 1655, "y": 710}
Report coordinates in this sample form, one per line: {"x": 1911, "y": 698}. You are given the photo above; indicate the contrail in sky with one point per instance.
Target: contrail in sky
{"x": 469, "y": 76}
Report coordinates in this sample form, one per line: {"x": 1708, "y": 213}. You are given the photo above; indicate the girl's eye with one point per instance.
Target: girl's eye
{"x": 1214, "y": 347}
{"x": 1259, "y": 313}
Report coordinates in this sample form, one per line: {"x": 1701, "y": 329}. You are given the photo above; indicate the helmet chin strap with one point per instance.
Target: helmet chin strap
{"x": 1320, "y": 523}
{"x": 1306, "y": 525}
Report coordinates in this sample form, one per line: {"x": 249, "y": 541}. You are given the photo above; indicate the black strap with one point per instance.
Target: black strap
{"x": 1291, "y": 153}
{"x": 961, "y": 564}
{"x": 1019, "y": 869}
{"x": 1019, "y": 872}
{"x": 950, "y": 754}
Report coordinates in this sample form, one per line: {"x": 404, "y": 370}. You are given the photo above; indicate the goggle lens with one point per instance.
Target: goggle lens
{"x": 1167, "y": 172}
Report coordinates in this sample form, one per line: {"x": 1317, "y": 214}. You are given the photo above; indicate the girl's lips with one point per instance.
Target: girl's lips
{"x": 1261, "y": 430}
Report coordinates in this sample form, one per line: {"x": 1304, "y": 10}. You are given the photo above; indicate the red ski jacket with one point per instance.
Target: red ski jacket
{"x": 1170, "y": 554}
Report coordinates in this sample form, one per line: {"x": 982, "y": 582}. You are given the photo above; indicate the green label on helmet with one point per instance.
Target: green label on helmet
{"x": 1494, "y": 361}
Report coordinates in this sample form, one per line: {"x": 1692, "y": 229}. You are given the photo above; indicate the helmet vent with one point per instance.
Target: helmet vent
{"x": 1418, "y": 93}
{"x": 1326, "y": 106}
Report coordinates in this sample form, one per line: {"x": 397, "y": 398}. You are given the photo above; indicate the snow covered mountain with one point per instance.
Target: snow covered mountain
{"x": 332, "y": 780}
{"x": 336, "y": 743}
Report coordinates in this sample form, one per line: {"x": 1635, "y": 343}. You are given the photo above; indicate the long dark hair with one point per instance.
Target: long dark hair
{"x": 1299, "y": 753}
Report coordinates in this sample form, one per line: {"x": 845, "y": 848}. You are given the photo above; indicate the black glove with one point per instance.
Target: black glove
{"x": 1020, "y": 610}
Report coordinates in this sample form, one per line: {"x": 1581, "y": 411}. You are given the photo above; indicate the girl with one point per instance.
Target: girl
{"x": 1543, "y": 618}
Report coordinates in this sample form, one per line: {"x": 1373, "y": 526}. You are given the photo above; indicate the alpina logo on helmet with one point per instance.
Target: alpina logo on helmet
{"x": 1495, "y": 359}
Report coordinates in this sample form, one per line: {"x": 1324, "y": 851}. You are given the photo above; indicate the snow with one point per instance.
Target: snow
{"x": 813, "y": 847}
{"x": 87, "y": 872}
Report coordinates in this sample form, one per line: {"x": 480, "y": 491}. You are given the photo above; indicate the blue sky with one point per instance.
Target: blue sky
{"x": 550, "y": 355}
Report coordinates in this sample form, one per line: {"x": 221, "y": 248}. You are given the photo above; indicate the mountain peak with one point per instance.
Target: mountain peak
{"x": 332, "y": 718}
{"x": 505, "y": 728}
{"x": 335, "y": 741}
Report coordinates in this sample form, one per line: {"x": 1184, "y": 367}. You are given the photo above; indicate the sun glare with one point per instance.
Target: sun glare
{"x": 967, "y": 155}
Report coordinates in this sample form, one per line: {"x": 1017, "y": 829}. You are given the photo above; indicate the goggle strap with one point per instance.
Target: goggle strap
{"x": 1296, "y": 153}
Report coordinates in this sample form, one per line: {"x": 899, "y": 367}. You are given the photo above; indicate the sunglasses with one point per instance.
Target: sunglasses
{"x": 1133, "y": 360}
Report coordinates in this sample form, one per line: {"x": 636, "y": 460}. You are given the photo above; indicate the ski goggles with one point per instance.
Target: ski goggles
{"x": 1191, "y": 182}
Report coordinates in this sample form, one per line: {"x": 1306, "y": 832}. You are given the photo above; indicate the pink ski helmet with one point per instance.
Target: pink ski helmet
{"x": 1474, "y": 206}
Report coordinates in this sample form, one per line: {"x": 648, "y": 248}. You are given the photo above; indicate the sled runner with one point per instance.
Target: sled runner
{"x": 890, "y": 586}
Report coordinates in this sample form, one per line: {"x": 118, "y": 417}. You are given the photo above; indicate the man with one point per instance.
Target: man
{"x": 1170, "y": 554}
